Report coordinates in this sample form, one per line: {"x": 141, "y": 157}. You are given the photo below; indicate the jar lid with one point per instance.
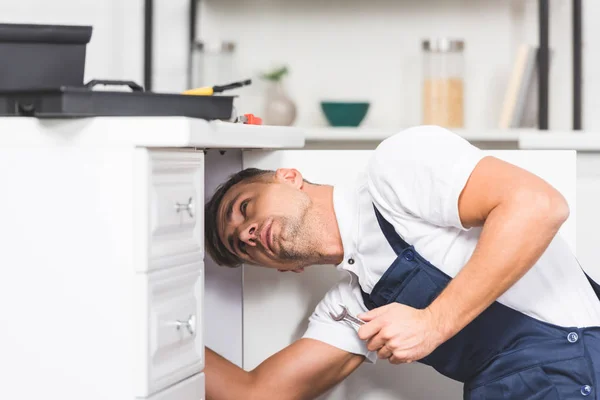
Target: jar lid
{"x": 214, "y": 46}
{"x": 443, "y": 45}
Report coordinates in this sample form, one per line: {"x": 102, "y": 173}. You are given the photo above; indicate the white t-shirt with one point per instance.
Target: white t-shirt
{"x": 415, "y": 179}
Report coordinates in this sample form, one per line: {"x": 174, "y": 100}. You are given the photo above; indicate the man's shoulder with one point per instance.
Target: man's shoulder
{"x": 416, "y": 135}
{"x": 417, "y": 144}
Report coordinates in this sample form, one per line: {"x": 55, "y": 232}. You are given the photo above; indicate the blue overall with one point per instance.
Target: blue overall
{"x": 501, "y": 354}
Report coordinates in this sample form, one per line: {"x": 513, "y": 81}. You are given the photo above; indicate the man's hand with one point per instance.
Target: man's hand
{"x": 520, "y": 215}
{"x": 401, "y": 333}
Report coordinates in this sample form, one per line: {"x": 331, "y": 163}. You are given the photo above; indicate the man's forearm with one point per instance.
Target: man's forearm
{"x": 303, "y": 370}
{"x": 225, "y": 380}
{"x": 513, "y": 238}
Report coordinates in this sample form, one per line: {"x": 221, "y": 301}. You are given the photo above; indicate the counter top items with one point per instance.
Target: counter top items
{"x": 345, "y": 113}
{"x": 211, "y": 62}
{"x": 210, "y": 90}
{"x": 249, "y": 119}
{"x": 443, "y": 86}
{"x": 280, "y": 109}
{"x": 84, "y": 101}
{"x": 42, "y": 56}
{"x": 41, "y": 75}
{"x": 520, "y": 106}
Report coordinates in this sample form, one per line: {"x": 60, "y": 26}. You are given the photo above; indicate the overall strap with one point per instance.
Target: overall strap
{"x": 595, "y": 285}
{"x": 397, "y": 243}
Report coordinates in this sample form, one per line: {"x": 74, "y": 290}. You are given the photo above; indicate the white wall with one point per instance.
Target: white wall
{"x": 338, "y": 48}
{"x": 355, "y": 49}
{"x": 116, "y": 48}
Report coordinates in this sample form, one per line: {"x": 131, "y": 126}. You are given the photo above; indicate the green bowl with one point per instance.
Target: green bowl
{"x": 344, "y": 113}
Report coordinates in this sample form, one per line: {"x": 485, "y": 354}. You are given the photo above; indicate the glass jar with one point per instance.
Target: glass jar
{"x": 212, "y": 63}
{"x": 443, "y": 88}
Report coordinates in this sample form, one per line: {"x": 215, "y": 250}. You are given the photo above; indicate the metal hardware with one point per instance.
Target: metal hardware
{"x": 190, "y": 325}
{"x": 346, "y": 316}
{"x": 189, "y": 207}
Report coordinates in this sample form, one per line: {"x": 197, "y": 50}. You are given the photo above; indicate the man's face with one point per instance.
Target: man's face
{"x": 269, "y": 223}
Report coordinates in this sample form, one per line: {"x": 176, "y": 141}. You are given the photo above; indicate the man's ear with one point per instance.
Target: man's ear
{"x": 289, "y": 175}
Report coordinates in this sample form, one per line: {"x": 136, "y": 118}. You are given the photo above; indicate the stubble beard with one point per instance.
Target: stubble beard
{"x": 299, "y": 246}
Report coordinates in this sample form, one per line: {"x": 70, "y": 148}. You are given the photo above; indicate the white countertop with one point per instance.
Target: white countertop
{"x": 329, "y": 134}
{"x": 580, "y": 141}
{"x": 523, "y": 138}
{"x": 145, "y": 132}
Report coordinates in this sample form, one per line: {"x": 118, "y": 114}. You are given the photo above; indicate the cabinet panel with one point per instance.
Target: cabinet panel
{"x": 191, "y": 389}
{"x": 169, "y": 327}
{"x": 169, "y": 212}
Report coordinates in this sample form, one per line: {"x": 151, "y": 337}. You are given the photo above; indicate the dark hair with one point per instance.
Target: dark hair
{"x": 214, "y": 246}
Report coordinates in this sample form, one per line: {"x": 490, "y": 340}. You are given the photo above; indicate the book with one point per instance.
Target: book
{"x": 520, "y": 105}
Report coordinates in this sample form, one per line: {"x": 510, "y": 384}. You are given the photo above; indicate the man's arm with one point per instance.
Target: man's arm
{"x": 303, "y": 370}
{"x": 520, "y": 214}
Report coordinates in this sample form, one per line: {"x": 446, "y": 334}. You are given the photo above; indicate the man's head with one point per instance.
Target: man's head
{"x": 266, "y": 218}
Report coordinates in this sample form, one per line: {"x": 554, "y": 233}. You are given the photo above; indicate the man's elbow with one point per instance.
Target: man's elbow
{"x": 261, "y": 387}
{"x": 254, "y": 389}
{"x": 557, "y": 211}
{"x": 548, "y": 206}
{"x": 562, "y": 210}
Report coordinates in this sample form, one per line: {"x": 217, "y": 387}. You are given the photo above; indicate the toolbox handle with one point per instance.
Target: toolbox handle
{"x": 134, "y": 86}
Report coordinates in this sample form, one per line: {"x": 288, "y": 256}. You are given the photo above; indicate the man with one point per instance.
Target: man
{"x": 454, "y": 261}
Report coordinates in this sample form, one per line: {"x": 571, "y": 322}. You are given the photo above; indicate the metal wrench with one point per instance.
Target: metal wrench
{"x": 346, "y": 316}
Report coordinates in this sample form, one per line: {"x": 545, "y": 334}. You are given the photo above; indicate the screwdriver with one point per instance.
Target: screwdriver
{"x": 209, "y": 91}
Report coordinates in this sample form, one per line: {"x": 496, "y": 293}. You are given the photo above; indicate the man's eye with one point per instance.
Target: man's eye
{"x": 242, "y": 247}
{"x": 243, "y": 207}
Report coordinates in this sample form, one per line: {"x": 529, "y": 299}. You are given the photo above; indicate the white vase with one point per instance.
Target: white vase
{"x": 280, "y": 109}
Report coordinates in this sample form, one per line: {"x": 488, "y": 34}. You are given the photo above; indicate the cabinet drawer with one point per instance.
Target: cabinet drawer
{"x": 170, "y": 221}
{"x": 191, "y": 389}
{"x": 169, "y": 327}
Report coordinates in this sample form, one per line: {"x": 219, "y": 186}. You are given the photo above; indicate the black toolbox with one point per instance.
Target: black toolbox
{"x": 69, "y": 102}
{"x": 42, "y": 56}
{"x": 41, "y": 75}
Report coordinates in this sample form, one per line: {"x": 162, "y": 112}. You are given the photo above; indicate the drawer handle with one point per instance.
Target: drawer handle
{"x": 190, "y": 324}
{"x": 189, "y": 207}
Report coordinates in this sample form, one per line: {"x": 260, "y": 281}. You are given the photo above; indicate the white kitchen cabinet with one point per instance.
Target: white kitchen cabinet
{"x": 102, "y": 255}
{"x": 277, "y": 306}
{"x": 587, "y": 147}
{"x": 191, "y": 388}
{"x": 169, "y": 194}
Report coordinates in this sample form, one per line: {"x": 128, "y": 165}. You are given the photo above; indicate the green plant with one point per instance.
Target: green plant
{"x": 276, "y": 75}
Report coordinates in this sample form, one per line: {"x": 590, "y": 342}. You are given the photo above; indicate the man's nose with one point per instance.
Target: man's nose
{"x": 249, "y": 233}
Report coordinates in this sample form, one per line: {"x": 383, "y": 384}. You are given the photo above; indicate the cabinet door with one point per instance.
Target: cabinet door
{"x": 276, "y": 306}
{"x": 168, "y": 216}
{"x": 169, "y": 327}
